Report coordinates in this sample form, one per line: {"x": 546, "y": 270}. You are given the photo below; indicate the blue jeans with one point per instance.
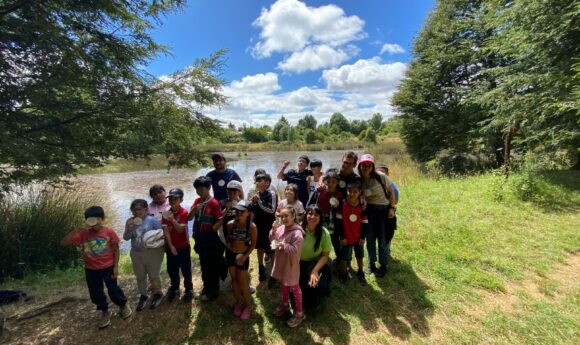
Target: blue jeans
{"x": 380, "y": 232}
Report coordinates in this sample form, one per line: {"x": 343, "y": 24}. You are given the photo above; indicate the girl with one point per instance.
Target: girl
{"x": 291, "y": 193}
{"x": 241, "y": 237}
{"x": 288, "y": 242}
{"x": 314, "y": 271}
{"x": 146, "y": 261}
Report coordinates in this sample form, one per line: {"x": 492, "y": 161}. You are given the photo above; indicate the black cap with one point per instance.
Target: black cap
{"x": 175, "y": 192}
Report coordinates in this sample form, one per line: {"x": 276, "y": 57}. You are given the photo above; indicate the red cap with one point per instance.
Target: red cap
{"x": 366, "y": 158}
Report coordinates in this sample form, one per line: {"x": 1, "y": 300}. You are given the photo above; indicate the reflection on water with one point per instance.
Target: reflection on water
{"x": 119, "y": 189}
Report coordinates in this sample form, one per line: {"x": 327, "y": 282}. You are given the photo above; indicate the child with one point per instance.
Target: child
{"x": 328, "y": 202}
{"x": 313, "y": 181}
{"x": 208, "y": 219}
{"x": 176, "y": 222}
{"x": 241, "y": 236}
{"x": 159, "y": 202}
{"x": 264, "y": 206}
{"x": 297, "y": 176}
{"x": 291, "y": 193}
{"x": 289, "y": 240}
{"x": 100, "y": 246}
{"x": 352, "y": 226}
{"x": 385, "y": 170}
{"x": 234, "y": 190}
{"x": 146, "y": 261}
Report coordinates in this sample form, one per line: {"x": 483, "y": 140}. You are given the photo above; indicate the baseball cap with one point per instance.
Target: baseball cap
{"x": 217, "y": 155}
{"x": 367, "y": 158}
{"x": 233, "y": 184}
{"x": 175, "y": 192}
{"x": 243, "y": 205}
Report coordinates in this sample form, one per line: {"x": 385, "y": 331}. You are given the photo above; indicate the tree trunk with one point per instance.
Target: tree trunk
{"x": 507, "y": 141}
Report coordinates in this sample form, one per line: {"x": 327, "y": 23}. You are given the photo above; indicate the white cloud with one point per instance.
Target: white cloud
{"x": 316, "y": 57}
{"x": 259, "y": 83}
{"x": 392, "y": 49}
{"x": 290, "y": 26}
{"x": 366, "y": 76}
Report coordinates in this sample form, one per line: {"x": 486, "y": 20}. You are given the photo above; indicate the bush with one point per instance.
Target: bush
{"x": 32, "y": 223}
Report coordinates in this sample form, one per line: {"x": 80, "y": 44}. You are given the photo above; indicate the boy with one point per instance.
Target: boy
{"x": 208, "y": 219}
{"x": 328, "y": 201}
{"x": 385, "y": 170}
{"x": 264, "y": 208}
{"x": 176, "y": 222}
{"x": 313, "y": 182}
{"x": 297, "y": 176}
{"x": 352, "y": 223}
{"x": 100, "y": 246}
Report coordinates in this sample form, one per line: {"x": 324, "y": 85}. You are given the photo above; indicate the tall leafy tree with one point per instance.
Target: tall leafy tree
{"x": 339, "y": 122}
{"x": 280, "y": 130}
{"x": 376, "y": 121}
{"x": 73, "y": 91}
{"x": 308, "y": 121}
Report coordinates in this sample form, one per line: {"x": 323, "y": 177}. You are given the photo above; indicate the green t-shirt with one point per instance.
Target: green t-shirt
{"x": 308, "y": 252}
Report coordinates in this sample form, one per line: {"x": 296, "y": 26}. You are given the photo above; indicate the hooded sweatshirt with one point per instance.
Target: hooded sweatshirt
{"x": 287, "y": 264}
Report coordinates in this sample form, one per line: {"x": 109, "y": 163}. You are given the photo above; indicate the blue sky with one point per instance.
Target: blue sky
{"x": 292, "y": 58}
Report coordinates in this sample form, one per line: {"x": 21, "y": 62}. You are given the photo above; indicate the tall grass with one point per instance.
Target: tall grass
{"x": 32, "y": 222}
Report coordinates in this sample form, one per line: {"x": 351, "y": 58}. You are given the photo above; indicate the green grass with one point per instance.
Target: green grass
{"x": 468, "y": 269}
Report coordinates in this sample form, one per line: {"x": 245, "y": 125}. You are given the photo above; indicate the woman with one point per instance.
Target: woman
{"x": 314, "y": 271}
{"x": 380, "y": 199}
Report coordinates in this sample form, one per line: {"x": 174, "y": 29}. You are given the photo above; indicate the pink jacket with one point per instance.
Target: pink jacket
{"x": 287, "y": 264}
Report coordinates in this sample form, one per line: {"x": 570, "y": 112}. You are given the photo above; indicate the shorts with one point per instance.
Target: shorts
{"x": 231, "y": 261}
{"x": 263, "y": 240}
{"x": 346, "y": 251}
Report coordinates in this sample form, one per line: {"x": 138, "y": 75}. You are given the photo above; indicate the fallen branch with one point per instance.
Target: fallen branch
{"x": 45, "y": 308}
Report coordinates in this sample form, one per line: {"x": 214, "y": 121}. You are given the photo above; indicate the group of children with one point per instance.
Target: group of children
{"x": 233, "y": 226}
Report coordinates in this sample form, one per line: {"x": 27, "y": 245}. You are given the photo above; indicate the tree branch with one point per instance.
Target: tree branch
{"x": 14, "y": 6}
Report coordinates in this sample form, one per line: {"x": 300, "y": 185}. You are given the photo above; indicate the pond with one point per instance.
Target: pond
{"x": 119, "y": 189}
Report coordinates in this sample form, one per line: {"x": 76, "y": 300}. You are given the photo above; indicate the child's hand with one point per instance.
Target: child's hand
{"x": 115, "y": 273}
{"x": 286, "y": 163}
{"x": 240, "y": 259}
{"x": 255, "y": 198}
{"x": 130, "y": 222}
{"x": 173, "y": 250}
{"x": 361, "y": 242}
{"x": 195, "y": 209}
{"x": 343, "y": 242}
{"x": 314, "y": 279}
{"x": 281, "y": 245}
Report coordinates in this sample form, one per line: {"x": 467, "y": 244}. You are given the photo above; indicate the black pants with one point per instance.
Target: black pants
{"x": 312, "y": 297}
{"x": 95, "y": 279}
{"x": 211, "y": 259}
{"x": 180, "y": 261}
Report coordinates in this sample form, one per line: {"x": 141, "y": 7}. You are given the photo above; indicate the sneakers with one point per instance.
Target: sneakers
{"x": 156, "y": 300}
{"x": 262, "y": 273}
{"x": 105, "y": 319}
{"x": 141, "y": 304}
{"x": 272, "y": 283}
{"x": 238, "y": 310}
{"x": 208, "y": 296}
{"x": 372, "y": 268}
{"x": 125, "y": 311}
{"x": 361, "y": 278}
{"x": 281, "y": 309}
{"x": 295, "y": 320}
{"x": 246, "y": 313}
{"x": 171, "y": 294}
{"x": 188, "y": 296}
{"x": 381, "y": 271}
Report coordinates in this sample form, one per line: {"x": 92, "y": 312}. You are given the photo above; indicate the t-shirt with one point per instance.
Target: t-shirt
{"x": 178, "y": 239}
{"x": 297, "y": 206}
{"x": 211, "y": 212}
{"x": 353, "y": 219}
{"x": 343, "y": 181}
{"x": 219, "y": 182}
{"x": 308, "y": 252}
{"x": 373, "y": 190}
{"x": 396, "y": 190}
{"x": 157, "y": 210}
{"x": 324, "y": 200}
{"x": 299, "y": 179}
{"x": 97, "y": 247}
{"x": 135, "y": 232}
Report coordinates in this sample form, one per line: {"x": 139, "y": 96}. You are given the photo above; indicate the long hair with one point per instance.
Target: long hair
{"x": 318, "y": 231}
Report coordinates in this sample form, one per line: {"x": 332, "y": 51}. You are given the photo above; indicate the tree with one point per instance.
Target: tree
{"x": 357, "y": 126}
{"x": 376, "y": 121}
{"x": 370, "y": 135}
{"x": 339, "y": 122}
{"x": 73, "y": 93}
{"x": 308, "y": 121}
{"x": 255, "y": 135}
{"x": 279, "y": 132}
{"x": 310, "y": 136}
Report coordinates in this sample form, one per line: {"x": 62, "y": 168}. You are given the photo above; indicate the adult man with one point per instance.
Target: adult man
{"x": 346, "y": 173}
{"x": 298, "y": 176}
{"x": 221, "y": 176}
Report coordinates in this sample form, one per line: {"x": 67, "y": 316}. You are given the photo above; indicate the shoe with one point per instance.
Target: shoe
{"x": 188, "y": 296}
{"x": 381, "y": 271}
{"x": 156, "y": 300}
{"x": 171, "y": 294}
{"x": 105, "y": 319}
{"x": 343, "y": 277}
{"x": 262, "y": 273}
{"x": 125, "y": 312}
{"x": 141, "y": 304}
{"x": 238, "y": 310}
{"x": 272, "y": 283}
{"x": 252, "y": 290}
{"x": 209, "y": 296}
{"x": 361, "y": 278}
{"x": 246, "y": 313}
{"x": 372, "y": 268}
{"x": 267, "y": 258}
{"x": 295, "y": 320}
{"x": 281, "y": 309}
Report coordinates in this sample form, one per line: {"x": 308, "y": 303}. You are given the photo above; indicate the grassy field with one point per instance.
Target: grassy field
{"x": 473, "y": 264}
